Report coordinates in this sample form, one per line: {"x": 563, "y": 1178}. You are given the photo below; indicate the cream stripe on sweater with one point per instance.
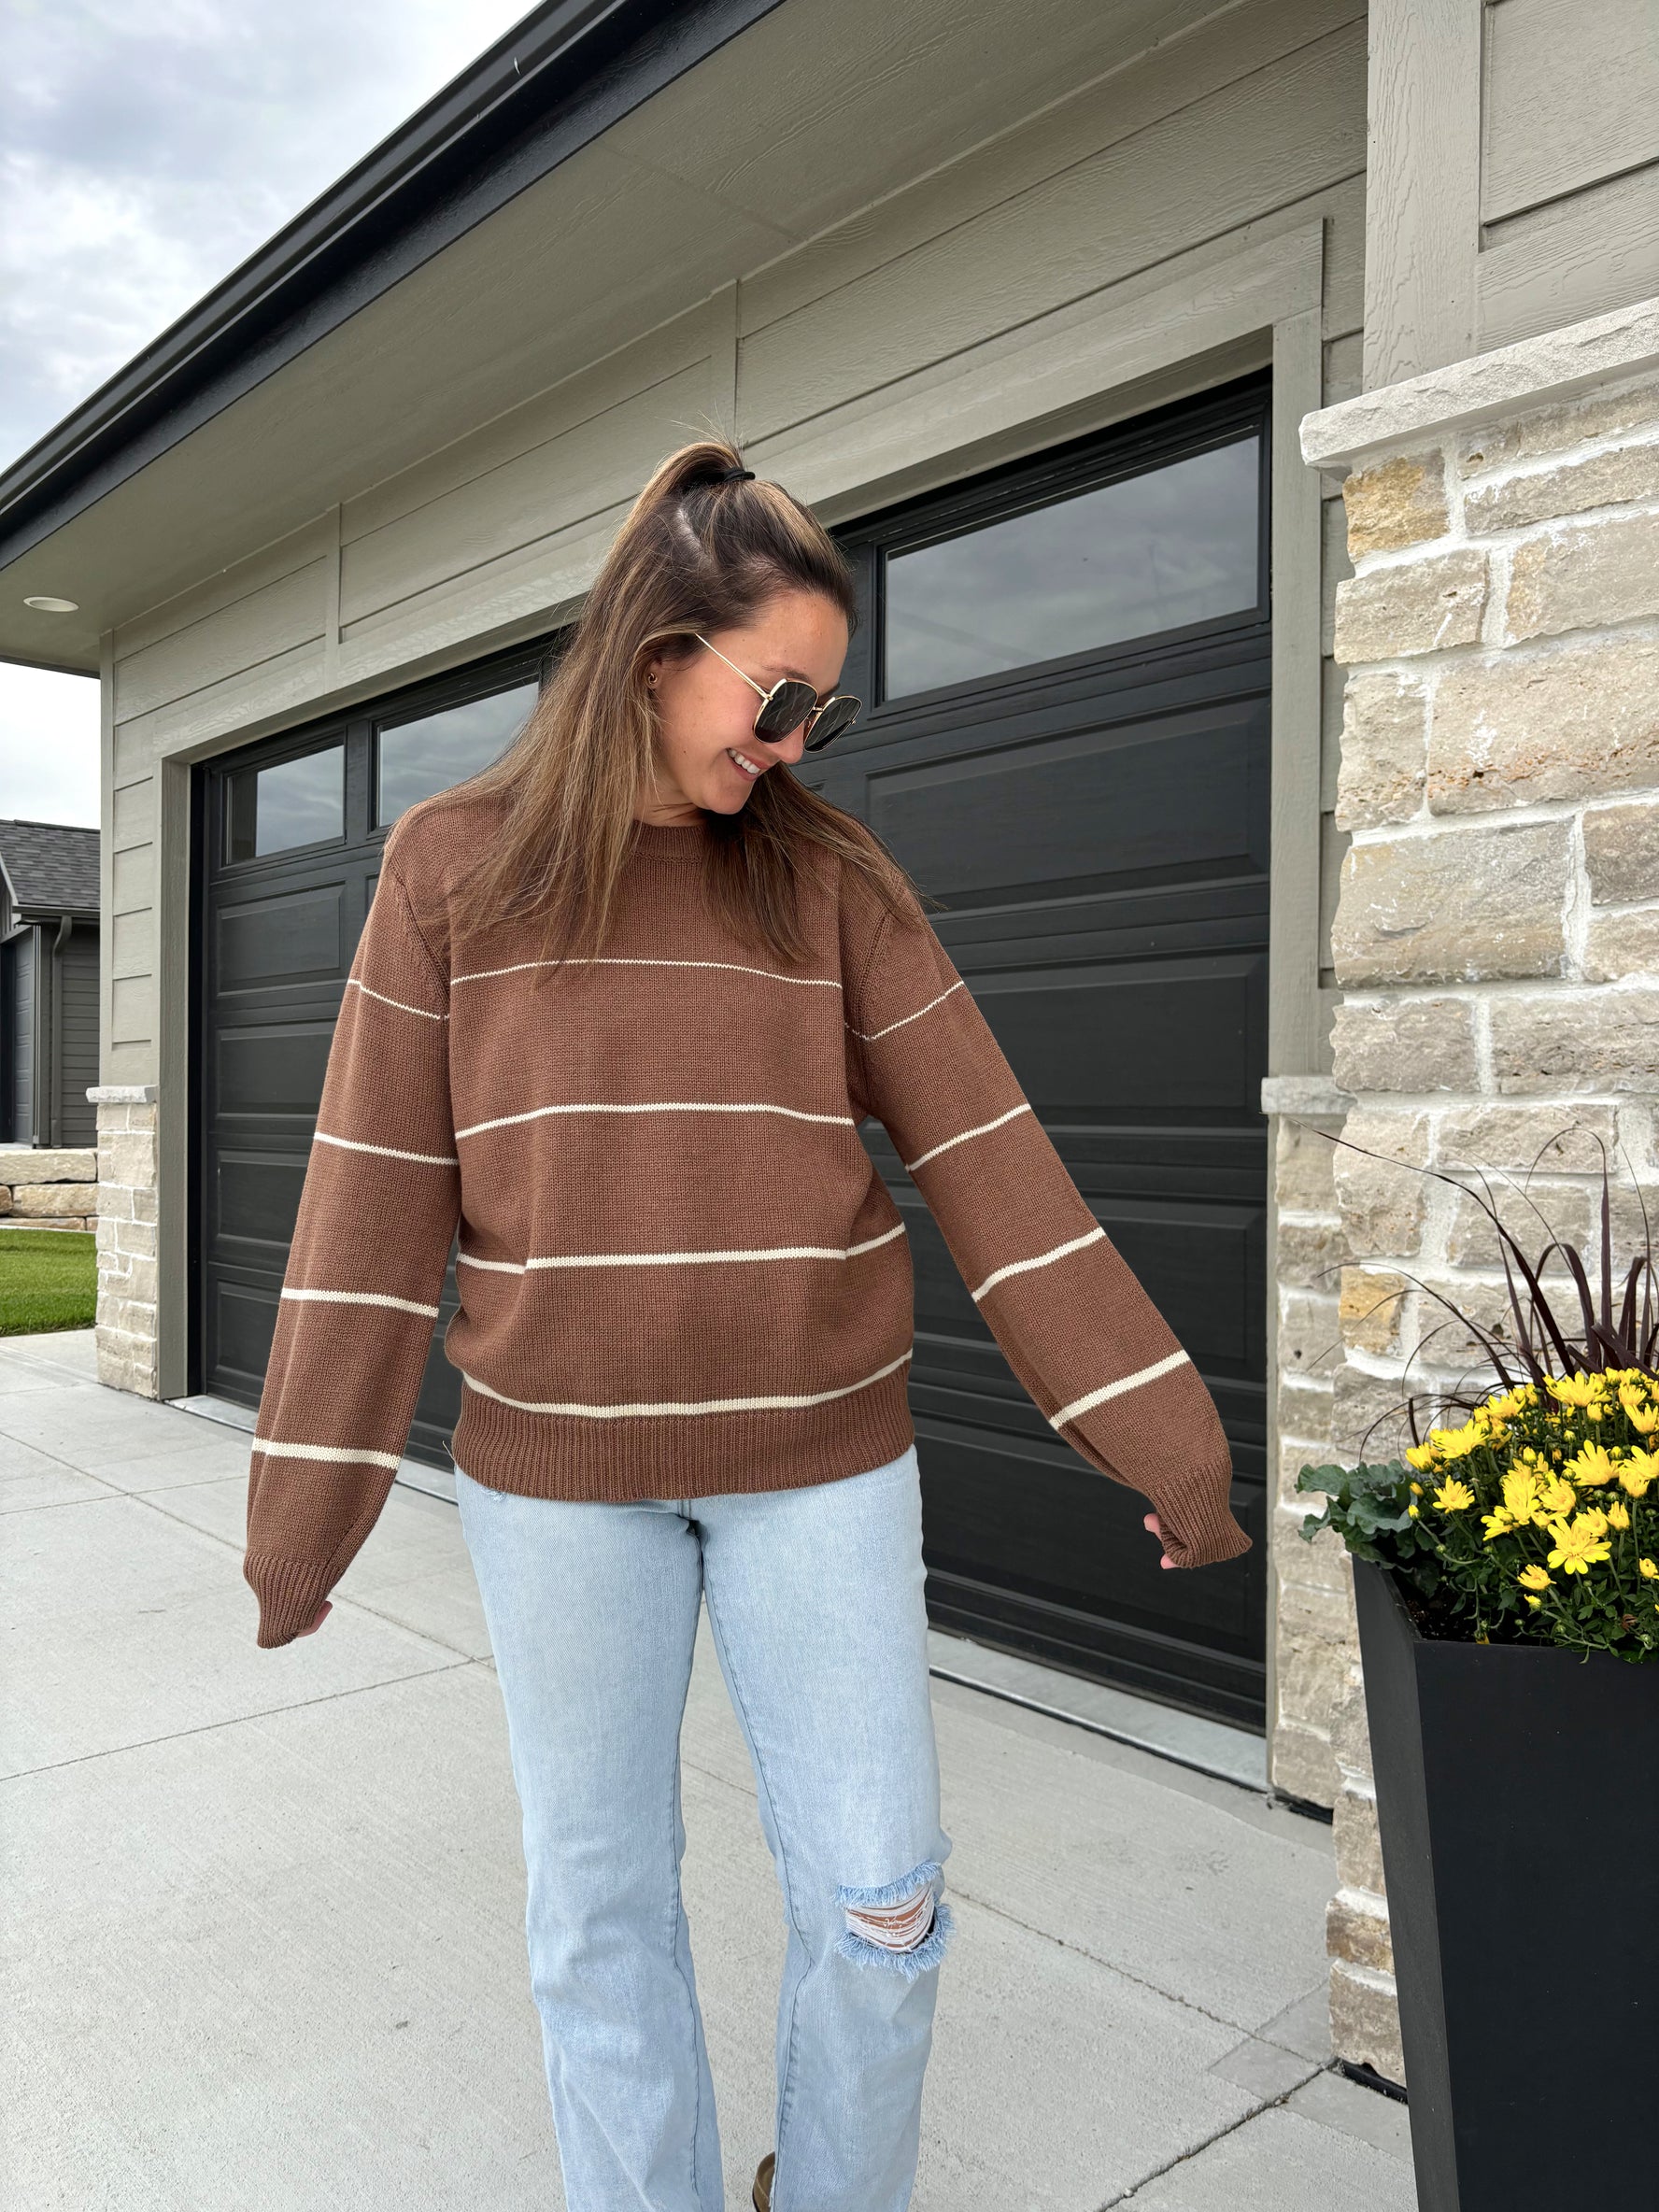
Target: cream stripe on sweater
{"x": 679, "y": 1270}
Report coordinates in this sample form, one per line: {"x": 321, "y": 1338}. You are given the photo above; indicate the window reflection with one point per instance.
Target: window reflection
{"x": 290, "y": 802}
{"x": 413, "y": 760}
{"x": 1152, "y": 552}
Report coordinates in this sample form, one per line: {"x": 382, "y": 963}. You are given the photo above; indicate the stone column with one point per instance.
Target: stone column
{"x": 126, "y": 1325}
{"x": 1497, "y": 936}
{"x": 1312, "y": 1586}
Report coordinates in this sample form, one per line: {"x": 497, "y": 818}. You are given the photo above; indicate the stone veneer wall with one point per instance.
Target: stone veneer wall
{"x": 126, "y": 1324}
{"x": 1496, "y": 937}
{"x": 47, "y": 1189}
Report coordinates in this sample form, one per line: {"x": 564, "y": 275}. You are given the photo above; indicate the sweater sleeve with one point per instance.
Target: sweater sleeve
{"x": 376, "y": 1216}
{"x": 1096, "y": 1357}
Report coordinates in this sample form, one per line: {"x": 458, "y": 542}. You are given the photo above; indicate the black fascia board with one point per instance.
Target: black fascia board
{"x": 553, "y": 84}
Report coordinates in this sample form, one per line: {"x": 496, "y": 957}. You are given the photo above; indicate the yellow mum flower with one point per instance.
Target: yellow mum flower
{"x": 1617, "y": 1514}
{"x": 1650, "y": 1572}
{"x": 1417, "y": 1490}
{"x": 1533, "y": 1602}
{"x": 1497, "y": 1522}
{"x": 1534, "y": 1578}
{"x": 1521, "y": 1496}
{"x": 1574, "y": 1390}
{"x": 1412, "y": 1512}
{"x": 1643, "y": 1418}
{"x": 1421, "y": 1455}
{"x": 1504, "y": 1406}
{"x": 1457, "y": 1443}
{"x": 1578, "y": 1548}
{"x": 1637, "y": 1471}
{"x": 1591, "y": 1467}
{"x": 1454, "y": 1496}
{"x": 1558, "y": 1495}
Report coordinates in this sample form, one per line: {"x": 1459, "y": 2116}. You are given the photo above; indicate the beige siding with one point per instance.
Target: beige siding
{"x": 1007, "y": 245}
{"x": 1514, "y": 173}
{"x": 1571, "y": 99}
{"x": 523, "y": 497}
{"x": 262, "y": 626}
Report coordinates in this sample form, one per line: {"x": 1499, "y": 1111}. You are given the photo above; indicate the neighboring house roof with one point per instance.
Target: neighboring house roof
{"x": 51, "y": 867}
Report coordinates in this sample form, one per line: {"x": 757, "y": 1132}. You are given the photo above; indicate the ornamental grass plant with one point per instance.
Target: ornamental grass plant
{"x": 1527, "y": 1507}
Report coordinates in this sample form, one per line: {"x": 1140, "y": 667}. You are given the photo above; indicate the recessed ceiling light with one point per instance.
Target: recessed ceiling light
{"x": 47, "y": 605}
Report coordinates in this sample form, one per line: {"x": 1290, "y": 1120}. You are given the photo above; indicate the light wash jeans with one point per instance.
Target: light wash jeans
{"x": 815, "y": 1599}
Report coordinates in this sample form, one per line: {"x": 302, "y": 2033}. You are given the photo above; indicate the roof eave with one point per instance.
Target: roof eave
{"x": 554, "y": 82}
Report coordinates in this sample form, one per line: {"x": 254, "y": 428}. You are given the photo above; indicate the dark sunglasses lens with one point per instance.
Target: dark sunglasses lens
{"x": 839, "y": 713}
{"x": 786, "y": 710}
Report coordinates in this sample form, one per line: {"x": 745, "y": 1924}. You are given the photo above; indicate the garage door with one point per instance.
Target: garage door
{"x": 289, "y": 835}
{"x": 1068, "y": 745}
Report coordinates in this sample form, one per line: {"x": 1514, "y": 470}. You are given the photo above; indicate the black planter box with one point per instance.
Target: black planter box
{"x": 1518, "y": 1796}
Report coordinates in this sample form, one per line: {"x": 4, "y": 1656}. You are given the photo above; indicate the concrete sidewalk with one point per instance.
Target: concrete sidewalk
{"x": 265, "y": 1937}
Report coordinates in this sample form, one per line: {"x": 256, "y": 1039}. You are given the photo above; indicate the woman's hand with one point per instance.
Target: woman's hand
{"x": 1151, "y": 1521}
{"x": 328, "y": 1609}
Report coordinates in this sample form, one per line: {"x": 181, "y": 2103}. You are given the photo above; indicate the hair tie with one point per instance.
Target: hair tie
{"x": 733, "y": 476}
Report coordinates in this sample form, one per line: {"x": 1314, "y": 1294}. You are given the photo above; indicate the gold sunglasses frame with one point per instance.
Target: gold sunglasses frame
{"x": 767, "y": 697}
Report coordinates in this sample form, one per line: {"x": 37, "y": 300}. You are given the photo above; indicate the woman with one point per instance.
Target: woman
{"x": 619, "y": 1009}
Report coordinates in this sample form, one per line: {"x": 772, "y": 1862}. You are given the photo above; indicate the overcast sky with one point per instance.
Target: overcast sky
{"x": 146, "y": 149}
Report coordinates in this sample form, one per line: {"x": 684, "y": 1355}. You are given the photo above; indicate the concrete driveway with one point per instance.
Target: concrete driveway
{"x": 264, "y": 1942}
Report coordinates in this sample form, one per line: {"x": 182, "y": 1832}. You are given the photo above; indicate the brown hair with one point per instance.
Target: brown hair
{"x": 694, "y": 554}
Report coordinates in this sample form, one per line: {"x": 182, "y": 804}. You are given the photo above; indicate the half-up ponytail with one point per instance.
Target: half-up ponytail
{"x": 703, "y": 548}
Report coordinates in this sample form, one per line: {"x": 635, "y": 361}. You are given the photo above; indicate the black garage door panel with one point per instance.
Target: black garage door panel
{"x": 1106, "y": 805}
{"x": 275, "y": 1071}
{"x": 293, "y": 937}
{"x": 1165, "y": 1037}
{"x": 255, "y": 1201}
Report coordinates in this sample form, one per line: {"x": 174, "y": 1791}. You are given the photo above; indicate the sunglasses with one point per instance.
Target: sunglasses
{"x": 789, "y": 704}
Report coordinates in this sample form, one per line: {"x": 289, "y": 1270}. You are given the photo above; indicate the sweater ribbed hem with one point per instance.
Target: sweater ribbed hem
{"x": 681, "y": 1455}
{"x": 290, "y": 1591}
{"x": 1195, "y": 1518}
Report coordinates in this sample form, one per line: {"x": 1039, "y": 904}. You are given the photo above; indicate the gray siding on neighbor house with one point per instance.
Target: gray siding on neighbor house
{"x": 74, "y": 1036}
{"x": 69, "y": 1065}
{"x": 1142, "y": 198}
{"x": 17, "y": 1021}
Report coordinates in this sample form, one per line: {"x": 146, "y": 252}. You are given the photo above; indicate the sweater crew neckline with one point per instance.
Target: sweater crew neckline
{"x": 676, "y": 841}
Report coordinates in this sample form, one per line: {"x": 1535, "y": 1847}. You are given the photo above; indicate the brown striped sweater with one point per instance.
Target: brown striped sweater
{"x": 679, "y": 1271}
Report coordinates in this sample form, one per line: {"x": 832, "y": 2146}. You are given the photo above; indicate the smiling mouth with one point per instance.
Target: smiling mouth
{"x": 750, "y": 768}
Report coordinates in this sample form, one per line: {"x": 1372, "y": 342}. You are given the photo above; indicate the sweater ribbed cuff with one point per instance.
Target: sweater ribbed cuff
{"x": 290, "y": 1592}
{"x": 1197, "y": 1519}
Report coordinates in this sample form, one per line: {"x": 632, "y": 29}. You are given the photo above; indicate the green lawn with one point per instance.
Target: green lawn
{"x": 49, "y": 1279}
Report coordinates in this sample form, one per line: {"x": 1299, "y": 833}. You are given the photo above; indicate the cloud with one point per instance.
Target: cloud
{"x": 48, "y": 748}
{"x": 148, "y": 150}
{"x": 145, "y": 151}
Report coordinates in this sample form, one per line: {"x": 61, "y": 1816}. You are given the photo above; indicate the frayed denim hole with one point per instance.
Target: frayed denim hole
{"x": 921, "y": 1959}
{"x": 865, "y": 1906}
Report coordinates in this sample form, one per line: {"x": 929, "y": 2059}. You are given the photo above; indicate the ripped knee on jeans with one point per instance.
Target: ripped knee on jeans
{"x": 902, "y": 1926}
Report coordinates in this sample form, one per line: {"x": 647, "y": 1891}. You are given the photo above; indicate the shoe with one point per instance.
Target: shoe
{"x": 761, "y": 2195}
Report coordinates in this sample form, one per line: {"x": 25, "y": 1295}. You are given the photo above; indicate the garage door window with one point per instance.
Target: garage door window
{"x": 415, "y": 758}
{"x": 290, "y": 803}
{"x": 1160, "y": 550}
